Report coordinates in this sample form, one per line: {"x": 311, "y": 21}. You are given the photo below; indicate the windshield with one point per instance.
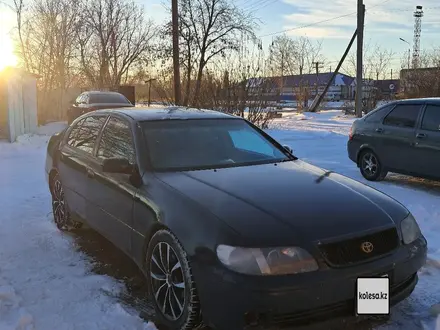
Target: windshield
{"x": 178, "y": 145}
{"x": 108, "y": 98}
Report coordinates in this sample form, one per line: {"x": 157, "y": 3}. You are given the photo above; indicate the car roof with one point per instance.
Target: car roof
{"x": 166, "y": 113}
{"x": 101, "y": 92}
{"x": 430, "y": 100}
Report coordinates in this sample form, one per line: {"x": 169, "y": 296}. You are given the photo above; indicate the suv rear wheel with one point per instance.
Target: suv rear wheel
{"x": 371, "y": 166}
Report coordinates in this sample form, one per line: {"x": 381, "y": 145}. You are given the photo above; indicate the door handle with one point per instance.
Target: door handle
{"x": 90, "y": 173}
{"x": 379, "y": 130}
{"x": 420, "y": 135}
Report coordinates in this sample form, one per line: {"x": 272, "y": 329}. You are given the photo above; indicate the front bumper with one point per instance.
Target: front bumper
{"x": 232, "y": 301}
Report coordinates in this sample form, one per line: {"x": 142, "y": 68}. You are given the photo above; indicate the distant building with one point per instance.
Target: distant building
{"x": 387, "y": 88}
{"x": 422, "y": 82}
{"x": 288, "y": 88}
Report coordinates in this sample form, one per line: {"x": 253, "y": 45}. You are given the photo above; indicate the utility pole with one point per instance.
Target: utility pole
{"x": 282, "y": 76}
{"x": 317, "y": 67}
{"x": 176, "y": 64}
{"x": 318, "y": 101}
{"x": 359, "y": 68}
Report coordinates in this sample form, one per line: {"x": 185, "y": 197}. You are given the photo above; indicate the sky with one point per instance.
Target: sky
{"x": 386, "y": 21}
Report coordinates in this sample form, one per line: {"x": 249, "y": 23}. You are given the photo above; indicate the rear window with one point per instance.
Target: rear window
{"x": 431, "y": 119}
{"x": 403, "y": 115}
{"x": 377, "y": 116}
{"x": 108, "y": 98}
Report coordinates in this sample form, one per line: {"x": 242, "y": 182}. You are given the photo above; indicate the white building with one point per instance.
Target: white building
{"x": 18, "y": 103}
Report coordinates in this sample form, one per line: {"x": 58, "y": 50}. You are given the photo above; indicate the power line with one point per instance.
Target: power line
{"x": 339, "y": 17}
{"x": 255, "y": 5}
{"x": 268, "y": 4}
{"x": 307, "y": 25}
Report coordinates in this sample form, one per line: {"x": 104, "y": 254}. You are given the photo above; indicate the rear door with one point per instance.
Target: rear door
{"x": 112, "y": 194}
{"x": 427, "y": 144}
{"x": 75, "y": 156}
{"x": 397, "y": 136}
{"x": 369, "y": 129}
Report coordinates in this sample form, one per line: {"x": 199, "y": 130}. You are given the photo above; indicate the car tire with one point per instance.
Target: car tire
{"x": 371, "y": 167}
{"x": 171, "y": 284}
{"x": 60, "y": 209}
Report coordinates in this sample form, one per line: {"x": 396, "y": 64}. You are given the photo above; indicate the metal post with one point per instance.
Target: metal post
{"x": 176, "y": 64}
{"x": 359, "y": 69}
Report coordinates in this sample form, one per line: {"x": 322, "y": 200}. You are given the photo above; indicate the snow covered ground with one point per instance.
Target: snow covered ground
{"x": 47, "y": 281}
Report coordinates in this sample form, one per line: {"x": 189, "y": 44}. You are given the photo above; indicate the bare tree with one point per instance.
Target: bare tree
{"x": 377, "y": 61}
{"x": 380, "y": 62}
{"x": 425, "y": 80}
{"x": 46, "y": 39}
{"x": 215, "y": 27}
{"x": 19, "y": 8}
{"x": 283, "y": 56}
{"x": 113, "y": 36}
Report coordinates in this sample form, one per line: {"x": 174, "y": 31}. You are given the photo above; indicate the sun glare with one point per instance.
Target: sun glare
{"x": 7, "y": 57}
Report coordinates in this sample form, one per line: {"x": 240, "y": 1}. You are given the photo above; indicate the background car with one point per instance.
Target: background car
{"x": 401, "y": 137}
{"x": 228, "y": 226}
{"x": 94, "y": 100}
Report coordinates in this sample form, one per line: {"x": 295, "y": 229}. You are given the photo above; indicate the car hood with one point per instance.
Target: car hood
{"x": 286, "y": 202}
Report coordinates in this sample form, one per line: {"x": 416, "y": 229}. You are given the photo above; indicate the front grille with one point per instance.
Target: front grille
{"x": 348, "y": 252}
{"x": 321, "y": 314}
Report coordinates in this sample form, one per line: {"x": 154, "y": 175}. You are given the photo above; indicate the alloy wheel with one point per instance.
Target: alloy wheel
{"x": 370, "y": 164}
{"x": 59, "y": 205}
{"x": 168, "y": 281}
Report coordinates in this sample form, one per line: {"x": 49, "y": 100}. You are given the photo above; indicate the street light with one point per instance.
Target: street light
{"x": 409, "y": 50}
{"x": 149, "y": 81}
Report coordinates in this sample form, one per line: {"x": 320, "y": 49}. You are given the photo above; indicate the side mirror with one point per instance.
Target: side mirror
{"x": 289, "y": 149}
{"x": 117, "y": 165}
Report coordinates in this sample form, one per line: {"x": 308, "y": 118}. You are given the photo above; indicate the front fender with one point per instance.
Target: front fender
{"x": 161, "y": 206}
{"x": 52, "y": 148}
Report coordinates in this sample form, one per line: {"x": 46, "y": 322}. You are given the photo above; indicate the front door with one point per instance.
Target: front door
{"x": 75, "y": 156}
{"x": 427, "y": 144}
{"x": 397, "y": 136}
{"x": 113, "y": 194}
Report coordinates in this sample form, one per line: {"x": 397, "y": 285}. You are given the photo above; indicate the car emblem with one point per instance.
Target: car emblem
{"x": 367, "y": 247}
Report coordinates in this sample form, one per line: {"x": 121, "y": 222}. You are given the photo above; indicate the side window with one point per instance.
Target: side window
{"x": 88, "y": 132}
{"x": 431, "y": 118}
{"x": 403, "y": 115}
{"x": 377, "y": 115}
{"x": 250, "y": 141}
{"x": 116, "y": 141}
{"x": 71, "y": 139}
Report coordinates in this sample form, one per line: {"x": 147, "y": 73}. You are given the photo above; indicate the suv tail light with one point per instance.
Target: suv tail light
{"x": 350, "y": 134}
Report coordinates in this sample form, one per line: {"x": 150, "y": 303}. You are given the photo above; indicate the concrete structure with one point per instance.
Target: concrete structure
{"x": 18, "y": 103}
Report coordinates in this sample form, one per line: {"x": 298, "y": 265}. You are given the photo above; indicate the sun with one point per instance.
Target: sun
{"x": 7, "y": 56}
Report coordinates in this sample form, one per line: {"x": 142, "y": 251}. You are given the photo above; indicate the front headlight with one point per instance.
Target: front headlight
{"x": 410, "y": 229}
{"x": 267, "y": 261}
